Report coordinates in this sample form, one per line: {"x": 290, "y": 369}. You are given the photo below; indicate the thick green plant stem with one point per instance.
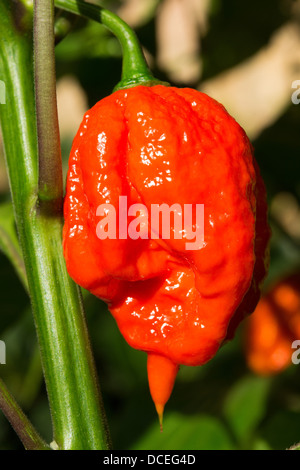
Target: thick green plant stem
{"x": 135, "y": 70}
{"x": 75, "y": 401}
{"x": 26, "y": 432}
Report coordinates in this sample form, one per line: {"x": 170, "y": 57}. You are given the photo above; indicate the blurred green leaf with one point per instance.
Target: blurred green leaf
{"x": 260, "y": 444}
{"x": 282, "y": 430}
{"x": 7, "y": 229}
{"x": 200, "y": 432}
{"x": 245, "y": 406}
{"x": 90, "y": 40}
{"x": 13, "y": 297}
{"x": 9, "y": 243}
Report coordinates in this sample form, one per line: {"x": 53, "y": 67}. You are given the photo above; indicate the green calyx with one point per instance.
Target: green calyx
{"x": 139, "y": 80}
{"x": 135, "y": 70}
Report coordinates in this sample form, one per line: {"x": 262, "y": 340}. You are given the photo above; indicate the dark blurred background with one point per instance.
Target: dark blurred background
{"x": 246, "y": 55}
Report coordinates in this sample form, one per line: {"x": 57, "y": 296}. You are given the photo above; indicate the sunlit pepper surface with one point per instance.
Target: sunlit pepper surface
{"x": 167, "y": 145}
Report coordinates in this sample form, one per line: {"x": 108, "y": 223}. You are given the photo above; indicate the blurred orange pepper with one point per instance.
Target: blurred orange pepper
{"x": 272, "y": 328}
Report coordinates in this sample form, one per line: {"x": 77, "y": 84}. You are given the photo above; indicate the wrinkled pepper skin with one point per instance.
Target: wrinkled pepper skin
{"x": 270, "y": 331}
{"x": 168, "y": 145}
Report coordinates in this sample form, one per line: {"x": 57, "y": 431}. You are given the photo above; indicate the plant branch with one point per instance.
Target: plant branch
{"x": 50, "y": 174}
{"x": 20, "y": 423}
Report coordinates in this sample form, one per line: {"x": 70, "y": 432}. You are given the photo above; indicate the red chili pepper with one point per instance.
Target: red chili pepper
{"x": 156, "y": 144}
{"x": 167, "y": 145}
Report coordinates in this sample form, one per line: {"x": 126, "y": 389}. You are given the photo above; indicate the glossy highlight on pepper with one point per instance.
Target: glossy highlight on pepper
{"x": 168, "y": 145}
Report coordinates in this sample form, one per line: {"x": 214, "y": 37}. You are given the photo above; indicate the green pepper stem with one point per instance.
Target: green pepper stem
{"x": 135, "y": 70}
